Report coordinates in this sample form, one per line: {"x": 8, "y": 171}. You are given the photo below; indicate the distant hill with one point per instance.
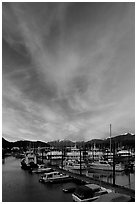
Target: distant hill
{"x": 6, "y": 144}
{"x": 127, "y": 140}
{"x": 61, "y": 143}
{"x": 124, "y": 140}
{"x": 121, "y": 140}
{"x": 24, "y": 144}
{"x": 126, "y": 136}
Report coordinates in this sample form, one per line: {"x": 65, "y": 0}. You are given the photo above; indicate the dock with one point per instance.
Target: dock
{"x": 83, "y": 178}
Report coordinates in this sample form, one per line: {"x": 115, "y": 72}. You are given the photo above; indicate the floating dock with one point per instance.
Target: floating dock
{"x": 85, "y": 179}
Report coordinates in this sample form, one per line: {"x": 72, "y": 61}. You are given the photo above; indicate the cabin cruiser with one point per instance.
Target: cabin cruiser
{"x": 105, "y": 166}
{"x": 89, "y": 193}
{"x": 54, "y": 176}
{"x": 30, "y": 160}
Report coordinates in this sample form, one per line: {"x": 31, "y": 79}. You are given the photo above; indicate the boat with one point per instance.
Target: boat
{"x": 115, "y": 197}
{"x": 30, "y": 161}
{"x": 74, "y": 165}
{"x": 105, "y": 166}
{"x": 89, "y": 193}
{"x": 53, "y": 177}
{"x": 41, "y": 169}
{"x": 77, "y": 167}
{"x": 124, "y": 153}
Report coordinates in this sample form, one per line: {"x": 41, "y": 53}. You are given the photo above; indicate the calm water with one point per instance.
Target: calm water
{"x": 20, "y": 186}
{"x": 127, "y": 180}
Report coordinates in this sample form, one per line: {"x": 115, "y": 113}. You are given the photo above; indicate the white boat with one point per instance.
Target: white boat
{"x": 105, "y": 166}
{"x": 53, "y": 177}
{"x": 124, "y": 153}
{"x": 89, "y": 193}
{"x": 41, "y": 169}
{"x": 77, "y": 167}
{"x": 74, "y": 165}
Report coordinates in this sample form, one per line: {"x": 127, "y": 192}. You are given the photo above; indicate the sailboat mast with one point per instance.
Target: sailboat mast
{"x": 110, "y": 140}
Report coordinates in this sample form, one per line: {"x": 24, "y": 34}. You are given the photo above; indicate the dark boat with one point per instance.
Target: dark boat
{"x": 89, "y": 193}
{"x": 29, "y": 161}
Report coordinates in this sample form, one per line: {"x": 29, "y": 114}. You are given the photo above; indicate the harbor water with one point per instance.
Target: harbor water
{"x": 20, "y": 186}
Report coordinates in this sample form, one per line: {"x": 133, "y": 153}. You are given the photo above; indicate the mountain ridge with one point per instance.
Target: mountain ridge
{"x": 125, "y": 139}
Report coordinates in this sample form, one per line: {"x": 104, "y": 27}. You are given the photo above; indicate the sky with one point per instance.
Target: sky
{"x": 68, "y": 70}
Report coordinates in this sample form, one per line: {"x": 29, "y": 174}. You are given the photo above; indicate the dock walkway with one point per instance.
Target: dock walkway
{"x": 86, "y": 179}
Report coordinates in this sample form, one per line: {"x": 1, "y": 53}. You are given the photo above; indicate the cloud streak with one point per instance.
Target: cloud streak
{"x": 68, "y": 70}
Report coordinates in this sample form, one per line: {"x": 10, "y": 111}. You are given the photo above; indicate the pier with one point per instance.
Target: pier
{"x": 86, "y": 179}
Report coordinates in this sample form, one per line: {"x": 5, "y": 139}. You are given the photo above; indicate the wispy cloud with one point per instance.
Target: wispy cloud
{"x": 68, "y": 69}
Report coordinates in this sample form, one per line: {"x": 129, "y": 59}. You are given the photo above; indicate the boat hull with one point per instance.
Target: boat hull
{"x": 105, "y": 169}
{"x": 28, "y": 166}
{"x": 76, "y": 199}
{"x": 25, "y": 167}
{"x": 57, "y": 180}
{"x": 78, "y": 168}
{"x": 40, "y": 171}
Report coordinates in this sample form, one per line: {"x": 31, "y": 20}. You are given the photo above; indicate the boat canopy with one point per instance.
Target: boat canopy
{"x": 114, "y": 197}
{"x": 86, "y": 191}
{"x": 93, "y": 187}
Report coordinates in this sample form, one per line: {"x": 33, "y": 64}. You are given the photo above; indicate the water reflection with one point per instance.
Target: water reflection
{"x": 19, "y": 186}
{"x": 126, "y": 179}
{"x": 3, "y": 160}
{"x": 121, "y": 178}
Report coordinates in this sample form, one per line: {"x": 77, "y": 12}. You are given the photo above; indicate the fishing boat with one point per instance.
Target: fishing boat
{"x": 53, "y": 177}
{"x": 89, "y": 193}
{"x": 30, "y": 161}
{"x": 105, "y": 166}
